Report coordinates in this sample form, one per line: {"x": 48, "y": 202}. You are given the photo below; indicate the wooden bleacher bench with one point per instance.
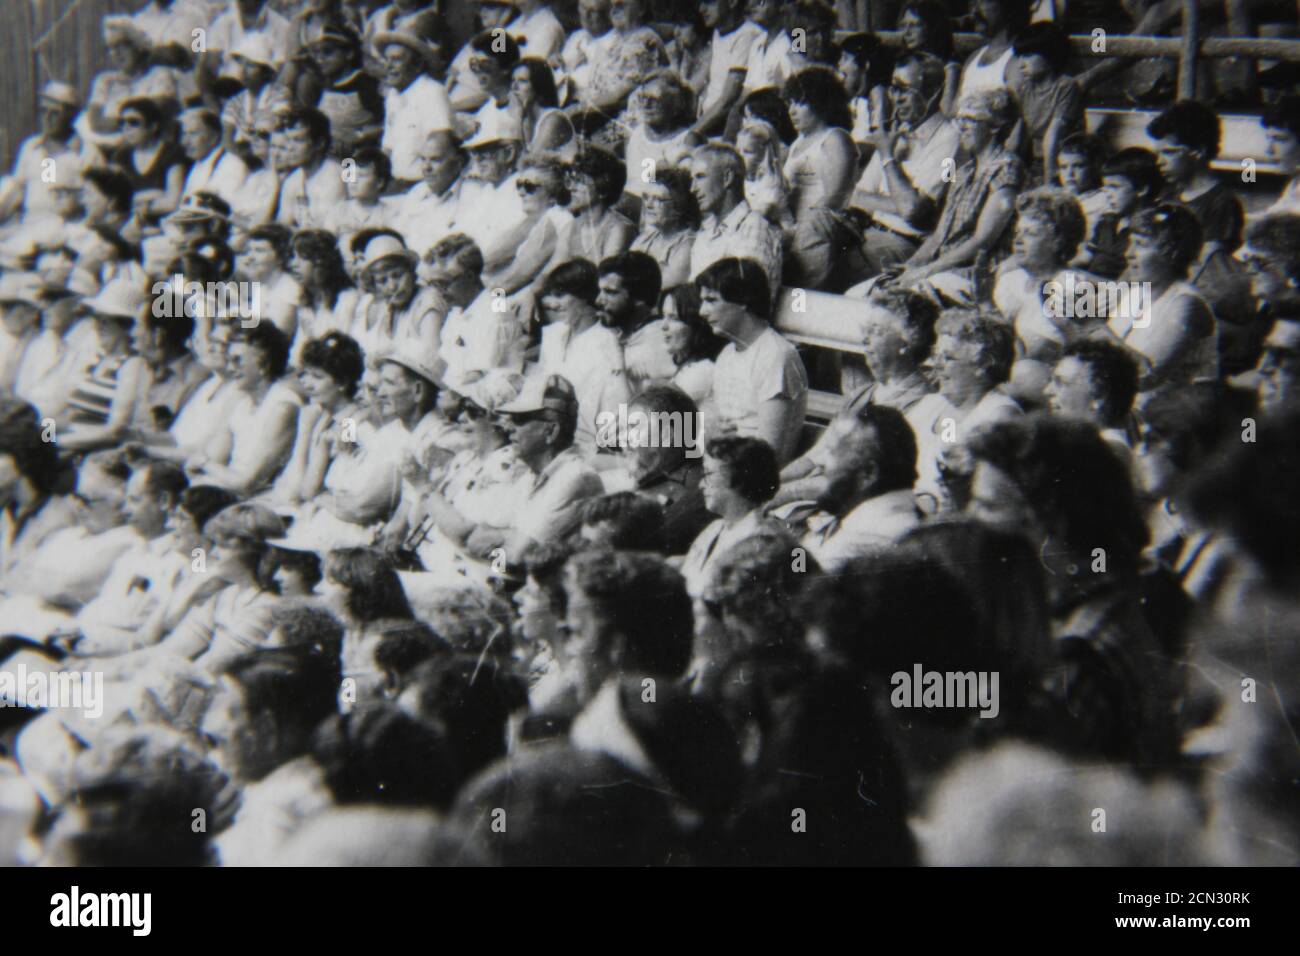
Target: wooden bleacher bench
{"x": 826, "y": 321}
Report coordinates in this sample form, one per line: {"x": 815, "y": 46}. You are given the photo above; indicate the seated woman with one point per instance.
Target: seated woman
{"x": 153, "y": 162}
{"x": 821, "y": 168}
{"x": 108, "y": 401}
{"x": 595, "y": 180}
{"x": 132, "y": 77}
{"x": 766, "y": 190}
{"x": 632, "y": 52}
{"x": 328, "y": 300}
{"x": 534, "y": 99}
{"x": 543, "y": 195}
{"x": 1160, "y": 317}
{"x": 257, "y": 439}
{"x": 692, "y": 344}
{"x": 364, "y": 586}
{"x": 331, "y": 370}
{"x": 31, "y": 509}
{"x": 740, "y": 476}
{"x": 669, "y": 218}
{"x": 1031, "y": 285}
{"x": 264, "y": 263}
{"x": 660, "y": 132}
{"x": 979, "y": 204}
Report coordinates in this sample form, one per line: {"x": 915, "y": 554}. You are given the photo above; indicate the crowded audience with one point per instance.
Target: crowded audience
{"x": 583, "y": 440}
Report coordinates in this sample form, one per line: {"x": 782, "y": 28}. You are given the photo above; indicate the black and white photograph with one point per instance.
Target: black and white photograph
{"x": 652, "y": 433}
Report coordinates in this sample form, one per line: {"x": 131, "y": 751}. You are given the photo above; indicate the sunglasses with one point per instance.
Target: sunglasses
{"x": 528, "y": 187}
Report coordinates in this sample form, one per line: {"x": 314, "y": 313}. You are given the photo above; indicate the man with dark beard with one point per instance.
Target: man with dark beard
{"x": 868, "y": 497}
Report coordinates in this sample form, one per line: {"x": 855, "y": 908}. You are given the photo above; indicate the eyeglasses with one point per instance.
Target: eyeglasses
{"x": 527, "y": 186}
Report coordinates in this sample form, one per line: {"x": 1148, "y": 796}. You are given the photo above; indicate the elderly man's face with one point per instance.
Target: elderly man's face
{"x": 851, "y": 472}
{"x": 493, "y": 162}
{"x": 197, "y": 139}
{"x": 401, "y": 65}
{"x": 658, "y": 210}
{"x": 708, "y": 184}
{"x": 440, "y": 163}
{"x": 907, "y": 92}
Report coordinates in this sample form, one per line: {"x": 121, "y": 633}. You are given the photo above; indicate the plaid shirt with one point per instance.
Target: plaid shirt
{"x": 968, "y": 194}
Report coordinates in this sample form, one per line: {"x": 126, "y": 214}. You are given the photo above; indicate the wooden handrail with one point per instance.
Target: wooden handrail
{"x": 1131, "y": 47}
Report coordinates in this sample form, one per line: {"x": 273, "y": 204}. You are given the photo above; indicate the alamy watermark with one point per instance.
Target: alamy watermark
{"x": 175, "y": 297}
{"x": 67, "y": 690}
{"x": 1077, "y": 298}
{"x": 946, "y": 689}
{"x": 640, "y": 429}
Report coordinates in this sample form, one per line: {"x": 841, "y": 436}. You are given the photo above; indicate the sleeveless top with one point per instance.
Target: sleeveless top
{"x": 976, "y": 78}
{"x": 669, "y": 151}
{"x": 807, "y": 182}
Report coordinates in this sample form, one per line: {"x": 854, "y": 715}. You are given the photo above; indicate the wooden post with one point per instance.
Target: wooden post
{"x": 1187, "y": 55}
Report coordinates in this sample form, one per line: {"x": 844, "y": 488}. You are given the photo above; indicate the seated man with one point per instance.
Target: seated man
{"x": 25, "y": 192}
{"x": 903, "y": 183}
{"x": 483, "y": 338}
{"x": 759, "y": 381}
{"x": 542, "y": 422}
{"x": 577, "y": 346}
{"x": 868, "y": 496}
{"x": 729, "y": 228}
{"x": 215, "y": 168}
